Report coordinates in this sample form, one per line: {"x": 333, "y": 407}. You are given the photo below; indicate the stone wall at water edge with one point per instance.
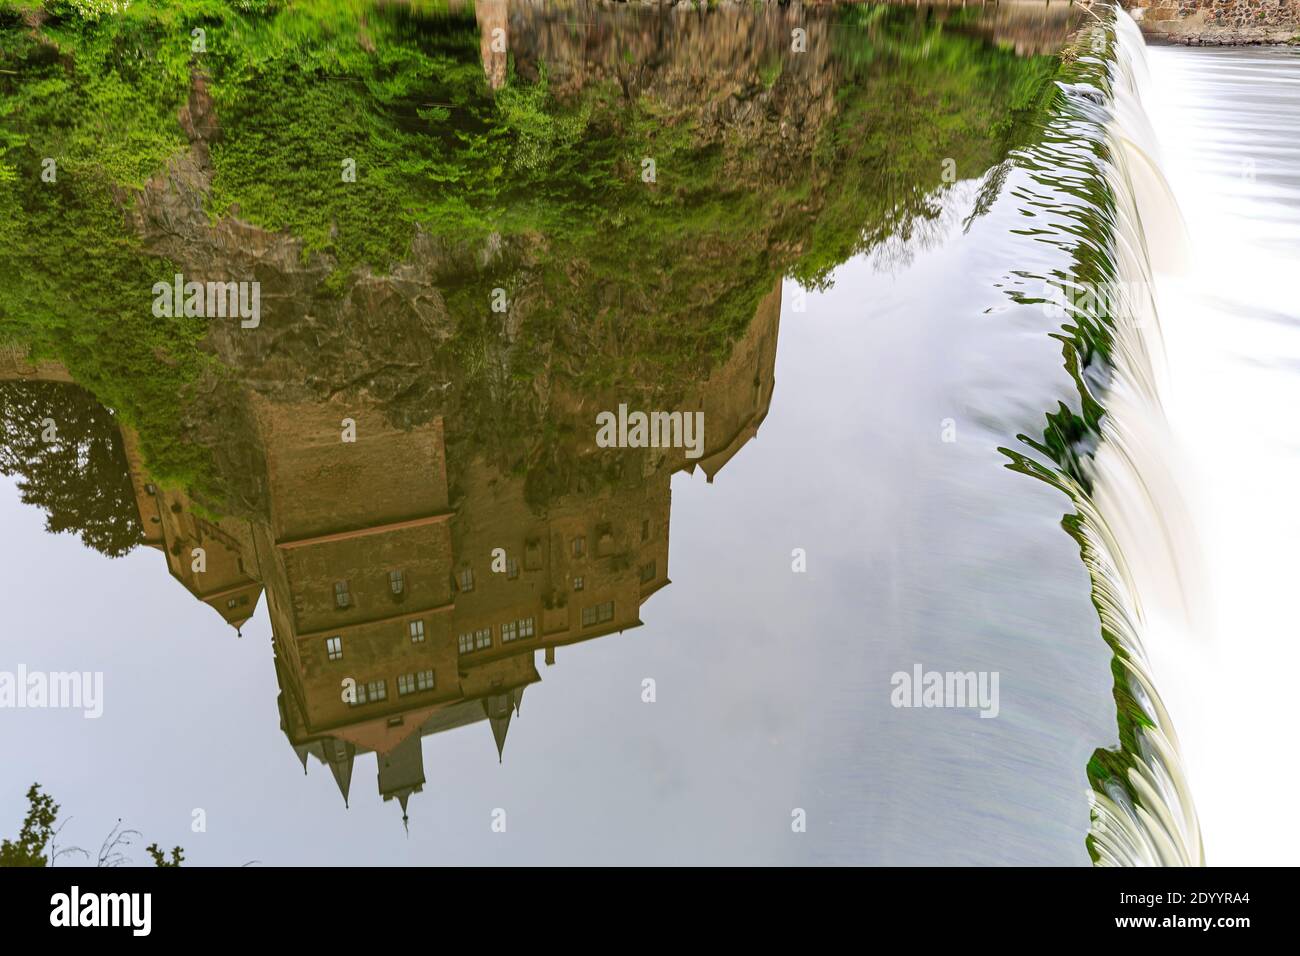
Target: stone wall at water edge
{"x": 1218, "y": 22}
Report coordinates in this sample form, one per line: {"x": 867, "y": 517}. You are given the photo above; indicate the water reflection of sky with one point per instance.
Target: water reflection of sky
{"x": 773, "y": 687}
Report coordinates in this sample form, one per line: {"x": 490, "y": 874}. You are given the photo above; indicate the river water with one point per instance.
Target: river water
{"x": 935, "y": 471}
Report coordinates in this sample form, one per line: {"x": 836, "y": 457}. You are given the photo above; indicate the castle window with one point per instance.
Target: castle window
{"x": 342, "y": 597}
{"x": 645, "y": 530}
{"x": 467, "y": 579}
{"x": 233, "y": 602}
{"x": 578, "y": 583}
{"x": 597, "y": 614}
{"x": 414, "y": 683}
{"x": 397, "y": 581}
{"x": 369, "y": 693}
{"x": 334, "y": 648}
{"x": 579, "y": 546}
{"x": 509, "y": 631}
{"x": 647, "y": 572}
{"x": 512, "y": 569}
{"x": 526, "y": 628}
{"x": 416, "y": 629}
{"x": 475, "y": 640}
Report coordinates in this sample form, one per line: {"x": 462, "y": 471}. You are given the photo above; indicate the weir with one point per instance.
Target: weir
{"x": 1115, "y": 458}
{"x": 1187, "y": 526}
{"x": 1145, "y": 814}
{"x": 1208, "y": 142}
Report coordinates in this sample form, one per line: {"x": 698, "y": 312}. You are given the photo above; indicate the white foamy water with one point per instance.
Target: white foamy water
{"x": 1198, "y": 477}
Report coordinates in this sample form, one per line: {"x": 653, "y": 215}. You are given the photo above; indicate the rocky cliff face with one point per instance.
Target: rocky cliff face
{"x": 787, "y": 138}
{"x": 389, "y": 341}
{"x": 382, "y": 343}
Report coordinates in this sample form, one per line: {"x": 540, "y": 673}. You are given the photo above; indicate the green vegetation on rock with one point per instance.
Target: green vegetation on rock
{"x": 623, "y": 279}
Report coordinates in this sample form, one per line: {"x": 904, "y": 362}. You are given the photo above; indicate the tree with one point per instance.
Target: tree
{"x": 36, "y": 834}
{"x": 159, "y": 860}
{"x": 66, "y": 450}
{"x": 35, "y": 843}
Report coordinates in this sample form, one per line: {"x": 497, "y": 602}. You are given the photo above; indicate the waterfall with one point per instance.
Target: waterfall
{"x": 1144, "y": 815}
{"x": 1203, "y": 431}
{"x": 1185, "y": 499}
{"x": 1117, "y": 457}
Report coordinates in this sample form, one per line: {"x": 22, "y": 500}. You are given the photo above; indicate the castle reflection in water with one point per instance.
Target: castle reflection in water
{"x": 412, "y": 576}
{"x": 389, "y": 621}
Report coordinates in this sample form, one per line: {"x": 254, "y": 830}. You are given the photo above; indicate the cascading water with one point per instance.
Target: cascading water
{"x": 1217, "y": 425}
{"x": 1117, "y": 457}
{"x": 1140, "y": 514}
{"x": 1182, "y": 482}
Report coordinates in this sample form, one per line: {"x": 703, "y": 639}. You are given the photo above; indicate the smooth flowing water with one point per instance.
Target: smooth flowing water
{"x": 857, "y": 259}
{"x": 1218, "y": 430}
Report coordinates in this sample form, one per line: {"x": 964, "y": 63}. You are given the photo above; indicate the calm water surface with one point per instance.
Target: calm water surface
{"x": 864, "y": 340}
